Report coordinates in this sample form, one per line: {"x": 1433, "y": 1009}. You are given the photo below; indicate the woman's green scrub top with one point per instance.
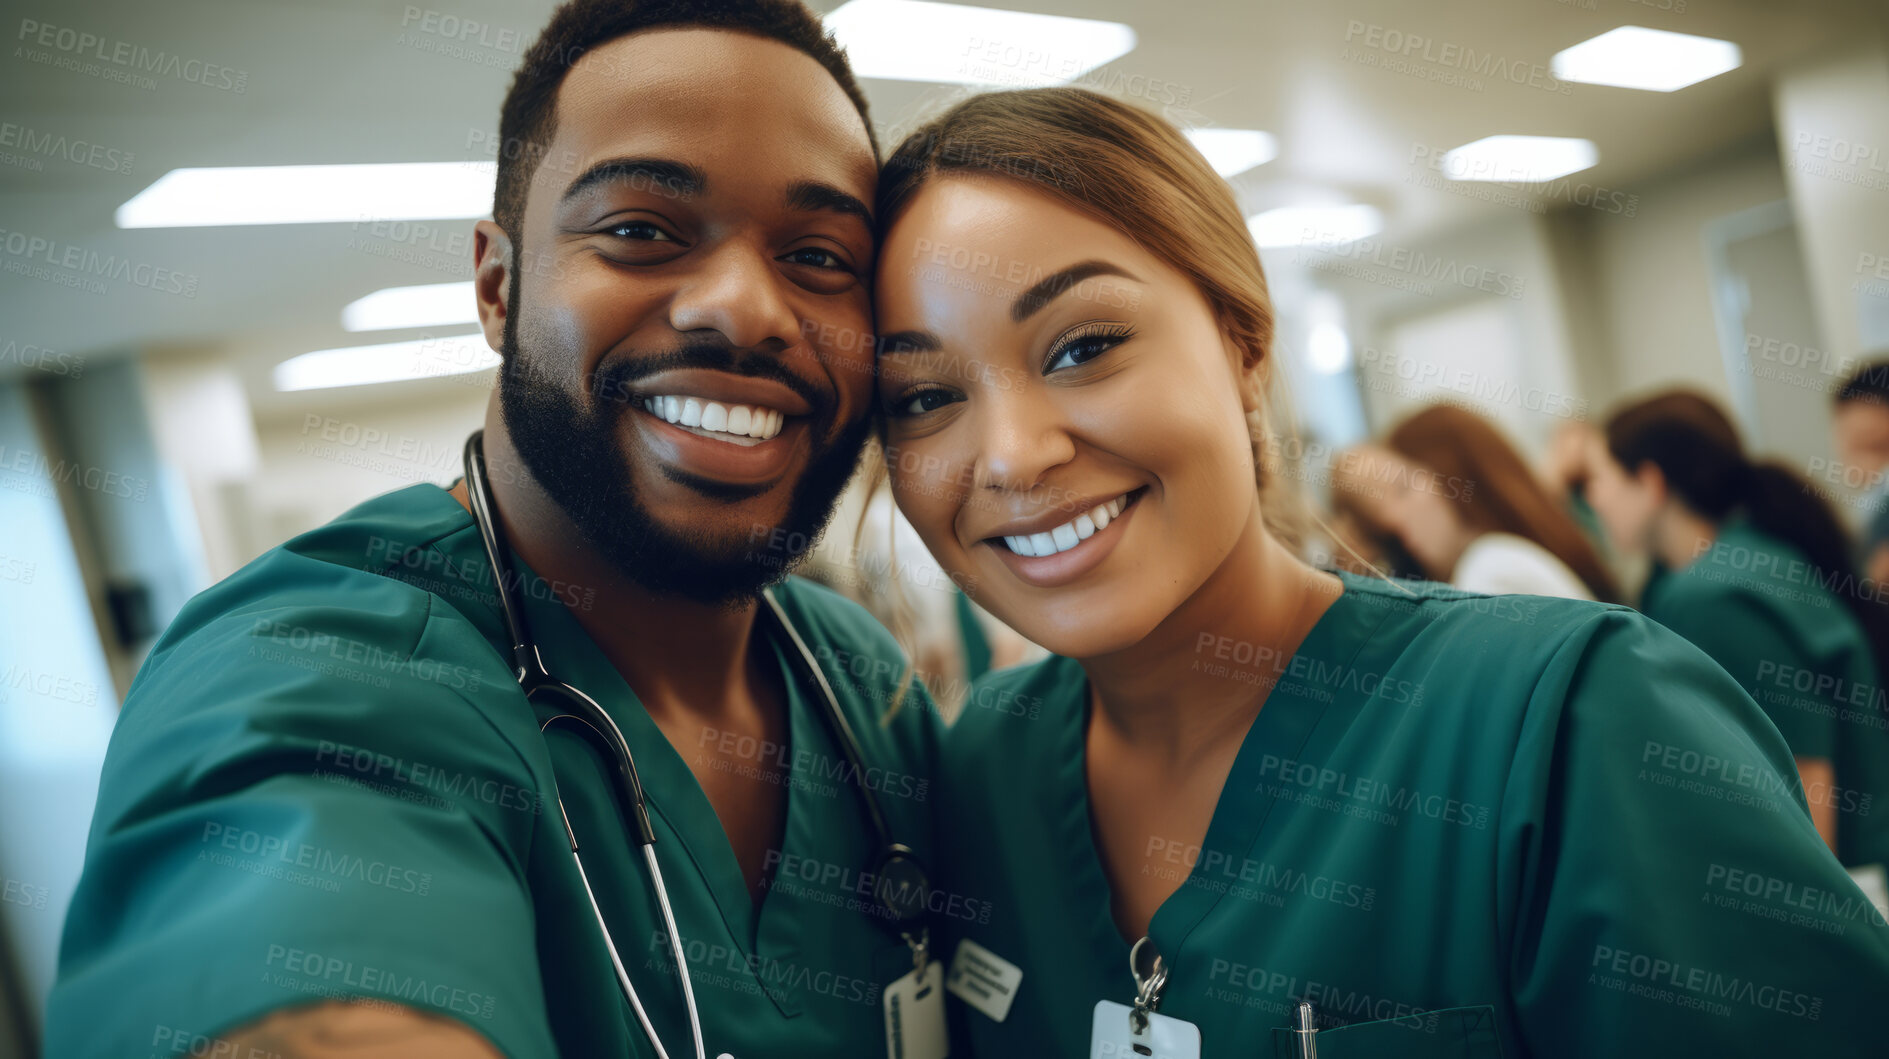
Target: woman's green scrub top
{"x": 1755, "y": 605}
{"x": 1459, "y": 823}
{"x": 325, "y": 783}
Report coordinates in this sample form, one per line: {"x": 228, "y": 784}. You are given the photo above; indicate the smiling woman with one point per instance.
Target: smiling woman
{"x": 1265, "y": 789}
{"x": 1091, "y": 310}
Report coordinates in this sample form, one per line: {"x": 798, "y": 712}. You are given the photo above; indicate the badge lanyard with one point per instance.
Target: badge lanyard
{"x": 914, "y": 1009}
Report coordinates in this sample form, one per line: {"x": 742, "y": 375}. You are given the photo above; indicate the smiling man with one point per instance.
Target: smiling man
{"x": 331, "y": 822}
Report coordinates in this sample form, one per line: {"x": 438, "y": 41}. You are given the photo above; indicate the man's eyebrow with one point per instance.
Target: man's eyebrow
{"x": 662, "y": 175}
{"x": 910, "y": 342}
{"x": 812, "y": 195}
{"x": 1045, "y": 292}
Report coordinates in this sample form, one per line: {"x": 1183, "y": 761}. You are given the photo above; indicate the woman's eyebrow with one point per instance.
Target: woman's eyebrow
{"x": 1026, "y": 305}
{"x": 910, "y": 342}
{"x": 1045, "y": 292}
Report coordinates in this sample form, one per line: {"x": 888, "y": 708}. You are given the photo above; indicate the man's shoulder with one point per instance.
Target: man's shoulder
{"x": 393, "y": 531}
{"x": 329, "y": 603}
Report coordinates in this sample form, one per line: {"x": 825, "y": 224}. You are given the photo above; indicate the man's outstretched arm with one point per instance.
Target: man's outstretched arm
{"x": 338, "y": 1030}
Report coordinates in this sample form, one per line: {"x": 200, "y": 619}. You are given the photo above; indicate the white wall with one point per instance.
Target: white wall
{"x": 57, "y": 707}
{"x": 1506, "y": 264}
{"x": 1652, "y": 281}
{"x": 315, "y": 465}
{"x": 1833, "y": 127}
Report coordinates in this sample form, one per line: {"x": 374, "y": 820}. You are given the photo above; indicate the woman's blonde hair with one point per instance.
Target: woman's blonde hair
{"x": 1134, "y": 172}
{"x": 1507, "y": 497}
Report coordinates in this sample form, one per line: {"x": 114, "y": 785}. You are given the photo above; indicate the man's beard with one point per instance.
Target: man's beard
{"x": 574, "y": 450}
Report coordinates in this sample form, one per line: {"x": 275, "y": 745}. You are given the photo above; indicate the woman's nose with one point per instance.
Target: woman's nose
{"x": 1020, "y": 436}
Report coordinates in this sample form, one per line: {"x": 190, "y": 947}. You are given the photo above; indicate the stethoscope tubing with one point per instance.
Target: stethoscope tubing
{"x": 531, "y": 674}
{"x": 623, "y": 975}
{"x": 597, "y": 728}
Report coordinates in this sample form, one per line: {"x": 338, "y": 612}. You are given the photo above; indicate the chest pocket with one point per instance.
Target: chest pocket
{"x": 1449, "y": 1033}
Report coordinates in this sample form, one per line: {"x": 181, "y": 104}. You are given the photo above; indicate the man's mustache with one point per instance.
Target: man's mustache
{"x": 618, "y": 376}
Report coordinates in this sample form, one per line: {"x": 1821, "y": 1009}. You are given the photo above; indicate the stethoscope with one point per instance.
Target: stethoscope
{"x": 901, "y": 887}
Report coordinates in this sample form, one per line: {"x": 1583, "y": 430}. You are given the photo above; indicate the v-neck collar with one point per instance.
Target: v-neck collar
{"x": 674, "y": 793}
{"x": 766, "y": 935}
{"x": 1282, "y": 728}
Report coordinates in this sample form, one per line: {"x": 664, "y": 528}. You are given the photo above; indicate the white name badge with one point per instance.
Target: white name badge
{"x": 914, "y": 1016}
{"x": 1874, "y": 884}
{"x": 1166, "y": 1038}
{"x": 983, "y": 979}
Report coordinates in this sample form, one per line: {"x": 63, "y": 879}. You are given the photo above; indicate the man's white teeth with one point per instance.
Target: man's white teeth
{"x": 1071, "y": 533}
{"x": 746, "y": 421}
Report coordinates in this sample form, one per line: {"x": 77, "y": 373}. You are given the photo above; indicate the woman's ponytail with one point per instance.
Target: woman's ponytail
{"x": 1697, "y": 451}
{"x": 1782, "y": 504}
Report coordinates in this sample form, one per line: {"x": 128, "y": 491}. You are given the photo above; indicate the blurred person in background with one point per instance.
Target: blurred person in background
{"x": 1252, "y": 782}
{"x": 1363, "y": 540}
{"x": 1474, "y": 515}
{"x": 1750, "y": 565}
{"x": 1859, "y": 425}
{"x": 1563, "y": 474}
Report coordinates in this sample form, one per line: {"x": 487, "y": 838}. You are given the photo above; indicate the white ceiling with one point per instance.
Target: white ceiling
{"x": 342, "y": 82}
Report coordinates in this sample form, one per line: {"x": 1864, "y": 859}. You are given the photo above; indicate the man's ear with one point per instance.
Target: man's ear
{"x": 492, "y": 263}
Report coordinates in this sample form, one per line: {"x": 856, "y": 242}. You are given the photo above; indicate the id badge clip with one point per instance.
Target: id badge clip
{"x": 914, "y": 1007}
{"x": 1140, "y": 1032}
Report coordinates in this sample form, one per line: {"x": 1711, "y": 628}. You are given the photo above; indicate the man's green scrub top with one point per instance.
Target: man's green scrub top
{"x": 1759, "y": 609}
{"x": 1458, "y": 823}
{"x": 325, "y": 783}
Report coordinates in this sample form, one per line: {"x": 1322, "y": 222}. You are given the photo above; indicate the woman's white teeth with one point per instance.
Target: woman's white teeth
{"x": 740, "y": 420}
{"x": 1069, "y": 534}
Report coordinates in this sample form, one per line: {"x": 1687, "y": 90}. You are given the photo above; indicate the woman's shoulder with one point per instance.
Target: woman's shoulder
{"x": 1426, "y": 604}
{"x": 1478, "y": 656}
{"x": 1566, "y": 685}
{"x": 1381, "y": 626}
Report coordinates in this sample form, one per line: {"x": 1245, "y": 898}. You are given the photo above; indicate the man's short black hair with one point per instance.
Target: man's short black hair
{"x": 528, "y": 120}
{"x": 1870, "y": 383}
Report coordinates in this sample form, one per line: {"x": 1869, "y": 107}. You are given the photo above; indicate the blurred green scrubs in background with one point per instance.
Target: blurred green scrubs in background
{"x": 325, "y": 783}
{"x": 1759, "y": 609}
{"x": 1458, "y": 824}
